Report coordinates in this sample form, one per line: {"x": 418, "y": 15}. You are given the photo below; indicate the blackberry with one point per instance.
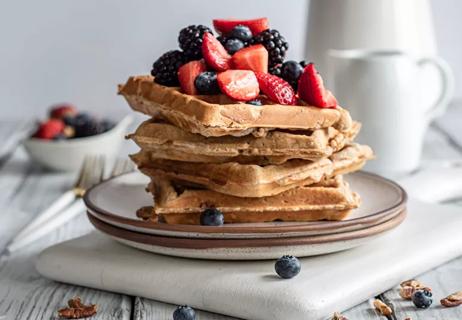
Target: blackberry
{"x": 275, "y": 70}
{"x": 291, "y": 71}
{"x": 165, "y": 68}
{"x": 275, "y": 43}
{"x": 190, "y": 39}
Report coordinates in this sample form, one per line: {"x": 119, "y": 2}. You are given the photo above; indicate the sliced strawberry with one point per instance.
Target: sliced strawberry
{"x": 225, "y": 26}
{"x": 253, "y": 58}
{"x": 61, "y": 111}
{"x": 215, "y": 55}
{"x": 241, "y": 85}
{"x": 311, "y": 89}
{"x": 187, "y": 73}
{"x": 277, "y": 89}
{"x": 50, "y": 129}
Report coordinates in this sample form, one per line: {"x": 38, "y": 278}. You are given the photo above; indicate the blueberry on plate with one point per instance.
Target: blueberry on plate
{"x": 422, "y": 299}
{"x": 184, "y": 313}
{"x": 212, "y": 217}
{"x": 287, "y": 267}
{"x": 241, "y": 32}
{"x": 255, "y": 102}
{"x": 206, "y": 83}
{"x": 233, "y": 45}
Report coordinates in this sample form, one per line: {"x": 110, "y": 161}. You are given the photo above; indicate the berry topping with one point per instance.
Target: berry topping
{"x": 251, "y": 58}
{"x": 63, "y": 110}
{"x": 206, "y": 83}
{"x": 275, "y": 70}
{"x": 215, "y": 55}
{"x": 255, "y": 102}
{"x": 233, "y": 45}
{"x": 422, "y": 299}
{"x": 287, "y": 267}
{"x": 212, "y": 217}
{"x": 184, "y": 313}
{"x": 275, "y": 43}
{"x": 241, "y": 32}
{"x": 225, "y": 26}
{"x": 190, "y": 40}
{"x": 291, "y": 71}
{"x": 50, "y": 129}
{"x": 187, "y": 75}
{"x": 277, "y": 89}
{"x": 311, "y": 89}
{"x": 241, "y": 85}
{"x": 165, "y": 68}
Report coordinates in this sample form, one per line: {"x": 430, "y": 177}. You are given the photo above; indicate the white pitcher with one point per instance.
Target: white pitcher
{"x": 383, "y": 90}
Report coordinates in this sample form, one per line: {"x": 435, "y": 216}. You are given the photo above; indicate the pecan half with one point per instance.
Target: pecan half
{"x": 77, "y": 310}
{"x": 382, "y": 308}
{"x": 339, "y": 316}
{"x": 408, "y": 287}
{"x": 453, "y": 300}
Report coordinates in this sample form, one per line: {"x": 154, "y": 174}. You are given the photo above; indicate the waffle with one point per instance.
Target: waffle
{"x": 169, "y": 142}
{"x": 330, "y": 199}
{"x": 250, "y": 180}
{"x": 216, "y": 115}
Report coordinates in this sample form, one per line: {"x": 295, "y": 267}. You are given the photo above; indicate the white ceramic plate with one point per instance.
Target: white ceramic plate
{"x": 115, "y": 202}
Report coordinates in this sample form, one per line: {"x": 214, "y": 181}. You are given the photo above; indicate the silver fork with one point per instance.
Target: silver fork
{"x": 65, "y": 207}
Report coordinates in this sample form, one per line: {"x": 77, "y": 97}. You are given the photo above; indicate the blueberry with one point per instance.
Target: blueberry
{"x": 255, "y": 102}
{"x": 206, "y": 83}
{"x": 212, "y": 217}
{"x": 69, "y": 120}
{"x": 291, "y": 70}
{"x": 287, "y": 267}
{"x": 107, "y": 125}
{"x": 241, "y": 32}
{"x": 184, "y": 313}
{"x": 233, "y": 45}
{"x": 86, "y": 126}
{"x": 422, "y": 299}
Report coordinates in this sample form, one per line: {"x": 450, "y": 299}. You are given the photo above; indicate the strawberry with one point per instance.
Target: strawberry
{"x": 311, "y": 89}
{"x": 63, "y": 110}
{"x": 215, "y": 55}
{"x": 253, "y": 58}
{"x": 50, "y": 129}
{"x": 277, "y": 89}
{"x": 241, "y": 85}
{"x": 224, "y": 26}
{"x": 188, "y": 72}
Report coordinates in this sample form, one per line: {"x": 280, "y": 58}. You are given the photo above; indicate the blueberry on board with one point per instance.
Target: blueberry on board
{"x": 233, "y": 45}
{"x": 287, "y": 267}
{"x": 184, "y": 313}
{"x": 241, "y": 32}
{"x": 206, "y": 83}
{"x": 422, "y": 299}
{"x": 212, "y": 217}
{"x": 255, "y": 102}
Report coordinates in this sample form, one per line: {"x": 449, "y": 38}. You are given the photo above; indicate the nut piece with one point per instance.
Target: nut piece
{"x": 382, "y": 308}
{"x": 453, "y": 300}
{"x": 339, "y": 316}
{"x": 76, "y": 309}
{"x": 408, "y": 287}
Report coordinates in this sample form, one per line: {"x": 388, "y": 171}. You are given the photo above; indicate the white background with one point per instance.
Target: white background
{"x": 78, "y": 51}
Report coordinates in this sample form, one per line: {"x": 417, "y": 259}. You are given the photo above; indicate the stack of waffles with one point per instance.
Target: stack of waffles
{"x": 254, "y": 163}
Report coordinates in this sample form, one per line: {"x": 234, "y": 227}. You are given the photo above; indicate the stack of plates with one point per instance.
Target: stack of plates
{"x": 112, "y": 209}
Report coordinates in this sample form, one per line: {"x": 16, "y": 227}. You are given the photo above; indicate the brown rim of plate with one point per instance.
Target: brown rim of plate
{"x": 198, "y": 243}
{"x": 374, "y": 218}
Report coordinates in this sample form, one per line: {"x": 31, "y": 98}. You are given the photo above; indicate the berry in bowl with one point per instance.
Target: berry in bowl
{"x": 63, "y": 140}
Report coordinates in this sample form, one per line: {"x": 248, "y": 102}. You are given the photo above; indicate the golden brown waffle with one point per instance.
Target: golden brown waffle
{"x": 331, "y": 199}
{"x": 166, "y": 141}
{"x": 216, "y": 115}
{"x": 250, "y": 180}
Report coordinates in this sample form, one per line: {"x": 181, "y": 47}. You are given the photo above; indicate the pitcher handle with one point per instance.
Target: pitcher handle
{"x": 447, "y": 86}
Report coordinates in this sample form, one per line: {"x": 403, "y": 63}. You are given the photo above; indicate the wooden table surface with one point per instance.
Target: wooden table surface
{"x": 25, "y": 190}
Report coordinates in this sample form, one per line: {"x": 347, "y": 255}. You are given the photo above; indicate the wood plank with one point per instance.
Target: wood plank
{"x": 24, "y": 294}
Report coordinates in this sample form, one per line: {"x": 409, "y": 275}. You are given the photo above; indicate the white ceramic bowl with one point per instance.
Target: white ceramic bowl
{"x": 68, "y": 155}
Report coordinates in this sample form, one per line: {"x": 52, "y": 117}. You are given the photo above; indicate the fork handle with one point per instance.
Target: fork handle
{"x": 47, "y": 226}
{"x": 56, "y": 207}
